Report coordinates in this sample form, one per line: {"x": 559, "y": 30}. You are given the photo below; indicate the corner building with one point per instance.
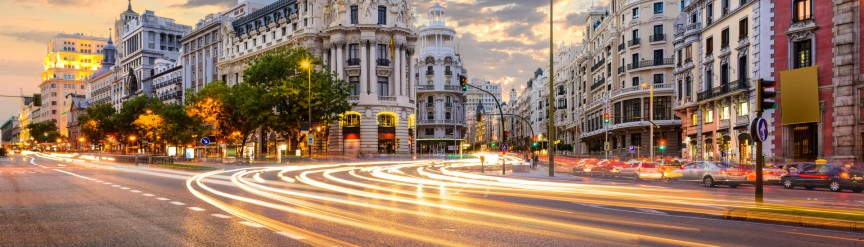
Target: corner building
{"x": 369, "y": 44}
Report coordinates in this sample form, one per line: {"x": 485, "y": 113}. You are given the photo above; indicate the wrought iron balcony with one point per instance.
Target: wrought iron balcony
{"x": 633, "y": 42}
{"x": 724, "y": 89}
{"x": 353, "y": 62}
{"x": 658, "y": 37}
{"x": 383, "y": 62}
{"x": 650, "y": 63}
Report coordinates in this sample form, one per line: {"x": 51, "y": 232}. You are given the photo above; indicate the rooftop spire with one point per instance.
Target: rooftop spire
{"x": 109, "y": 36}
{"x": 130, "y": 5}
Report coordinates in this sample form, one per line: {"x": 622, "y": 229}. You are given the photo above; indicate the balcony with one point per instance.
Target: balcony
{"x": 658, "y": 37}
{"x": 430, "y": 72}
{"x": 598, "y": 65}
{"x": 386, "y": 98}
{"x": 383, "y": 62}
{"x": 452, "y": 88}
{"x": 430, "y": 105}
{"x": 421, "y": 88}
{"x": 448, "y": 73}
{"x": 724, "y": 89}
{"x": 597, "y": 84}
{"x": 354, "y": 98}
{"x": 353, "y": 62}
{"x": 621, "y": 46}
{"x": 634, "y": 42}
{"x": 621, "y": 70}
{"x": 650, "y": 63}
{"x": 693, "y": 27}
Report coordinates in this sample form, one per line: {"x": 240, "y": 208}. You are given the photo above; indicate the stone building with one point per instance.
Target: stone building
{"x": 369, "y": 44}
{"x": 441, "y": 100}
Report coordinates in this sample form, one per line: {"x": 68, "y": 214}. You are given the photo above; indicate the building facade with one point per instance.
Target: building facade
{"x": 441, "y": 101}
{"x": 818, "y": 66}
{"x": 144, "y": 39}
{"x": 483, "y": 133}
{"x": 721, "y": 51}
{"x": 167, "y": 82}
{"x": 71, "y": 60}
{"x": 366, "y": 43}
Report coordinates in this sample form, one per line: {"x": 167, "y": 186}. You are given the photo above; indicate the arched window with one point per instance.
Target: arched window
{"x": 351, "y": 119}
{"x": 430, "y": 115}
{"x": 448, "y": 116}
{"x": 430, "y": 60}
{"x": 387, "y": 119}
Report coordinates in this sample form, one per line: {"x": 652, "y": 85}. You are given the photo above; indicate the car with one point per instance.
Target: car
{"x": 584, "y": 166}
{"x": 835, "y": 178}
{"x": 770, "y": 173}
{"x": 642, "y": 170}
{"x": 712, "y": 173}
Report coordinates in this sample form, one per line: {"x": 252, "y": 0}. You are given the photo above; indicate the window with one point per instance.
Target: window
{"x": 724, "y": 115}
{"x": 658, "y": 57}
{"x": 354, "y": 82}
{"x": 448, "y": 131}
{"x": 679, "y": 58}
{"x": 658, "y": 78}
{"x": 743, "y": 109}
{"x": 658, "y": 31}
{"x": 709, "y": 46}
{"x": 430, "y": 115}
{"x": 448, "y": 115}
{"x": 383, "y": 86}
{"x": 636, "y": 140}
{"x": 53, "y": 102}
{"x": 724, "y": 74}
{"x": 53, "y": 94}
{"x": 636, "y": 13}
{"x": 694, "y": 120}
{"x": 351, "y": 120}
{"x": 688, "y": 53}
{"x": 658, "y": 8}
{"x": 724, "y": 5}
{"x": 803, "y": 54}
{"x": 386, "y": 120}
{"x": 353, "y": 50}
{"x": 742, "y": 68}
{"x": 742, "y": 29}
{"x": 430, "y": 131}
{"x": 635, "y": 82}
{"x": 382, "y": 51}
{"x": 802, "y": 10}
{"x": 382, "y": 15}
{"x": 662, "y": 108}
{"x": 709, "y": 14}
{"x": 709, "y": 116}
{"x": 355, "y": 17}
{"x": 724, "y": 39}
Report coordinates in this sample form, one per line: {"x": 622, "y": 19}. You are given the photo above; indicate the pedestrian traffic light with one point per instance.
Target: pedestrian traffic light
{"x": 37, "y": 99}
{"x": 606, "y": 118}
{"x": 662, "y": 145}
{"x": 463, "y": 81}
{"x": 506, "y": 136}
{"x": 765, "y": 99}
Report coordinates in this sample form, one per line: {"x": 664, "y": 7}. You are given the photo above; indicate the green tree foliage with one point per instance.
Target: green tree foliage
{"x": 97, "y": 122}
{"x": 124, "y": 121}
{"x": 286, "y": 84}
{"x": 43, "y": 132}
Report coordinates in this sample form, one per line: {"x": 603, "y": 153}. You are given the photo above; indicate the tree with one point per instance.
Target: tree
{"x": 44, "y": 132}
{"x": 228, "y": 110}
{"x": 124, "y": 121}
{"x": 179, "y": 127}
{"x": 286, "y": 85}
{"x": 97, "y": 122}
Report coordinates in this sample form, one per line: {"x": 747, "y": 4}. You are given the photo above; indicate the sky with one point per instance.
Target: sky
{"x": 502, "y": 41}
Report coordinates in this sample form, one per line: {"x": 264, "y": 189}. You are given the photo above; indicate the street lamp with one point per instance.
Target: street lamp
{"x": 650, "y": 88}
{"x": 307, "y": 65}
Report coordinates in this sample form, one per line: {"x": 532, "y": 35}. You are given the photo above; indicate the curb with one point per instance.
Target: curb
{"x": 179, "y": 168}
{"x": 794, "y": 220}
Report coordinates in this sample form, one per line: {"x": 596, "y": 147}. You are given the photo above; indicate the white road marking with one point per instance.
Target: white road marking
{"x": 222, "y": 216}
{"x": 135, "y": 191}
{"x": 449, "y": 230}
{"x": 162, "y": 199}
{"x": 178, "y": 203}
{"x": 115, "y": 185}
{"x": 124, "y": 188}
{"x": 252, "y": 224}
{"x": 147, "y": 194}
{"x": 106, "y": 183}
{"x": 651, "y": 211}
{"x": 196, "y": 209}
{"x": 61, "y": 165}
{"x": 293, "y": 236}
{"x": 258, "y": 178}
{"x": 99, "y": 181}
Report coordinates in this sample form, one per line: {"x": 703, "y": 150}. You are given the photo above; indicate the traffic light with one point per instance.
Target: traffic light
{"x": 479, "y": 116}
{"x": 37, "y": 99}
{"x": 662, "y": 145}
{"x": 506, "y": 136}
{"x": 764, "y": 98}
{"x": 606, "y": 118}
{"x": 463, "y": 81}
{"x": 493, "y": 144}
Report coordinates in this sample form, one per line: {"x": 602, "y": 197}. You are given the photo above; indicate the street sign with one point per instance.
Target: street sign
{"x": 310, "y": 140}
{"x": 606, "y": 146}
{"x": 504, "y": 147}
{"x": 632, "y": 149}
{"x": 759, "y": 130}
{"x": 205, "y": 141}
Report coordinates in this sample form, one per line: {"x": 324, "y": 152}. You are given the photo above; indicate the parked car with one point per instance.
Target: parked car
{"x": 642, "y": 170}
{"x": 712, "y": 173}
{"x": 835, "y": 178}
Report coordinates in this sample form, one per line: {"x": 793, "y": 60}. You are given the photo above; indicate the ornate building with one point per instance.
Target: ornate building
{"x": 370, "y": 44}
{"x": 441, "y": 101}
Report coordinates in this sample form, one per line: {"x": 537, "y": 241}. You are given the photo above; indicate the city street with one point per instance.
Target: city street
{"x": 48, "y": 201}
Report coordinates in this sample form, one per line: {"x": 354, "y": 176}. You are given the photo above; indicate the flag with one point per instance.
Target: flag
{"x": 392, "y": 48}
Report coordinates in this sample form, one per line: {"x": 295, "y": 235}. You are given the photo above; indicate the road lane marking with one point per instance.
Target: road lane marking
{"x": 135, "y": 191}
{"x": 449, "y": 230}
{"x": 251, "y": 224}
{"x": 162, "y": 199}
{"x": 115, "y": 185}
{"x": 196, "y": 209}
{"x": 124, "y": 188}
{"x": 178, "y": 203}
{"x": 293, "y": 236}
{"x": 651, "y": 211}
{"x": 106, "y": 183}
{"x": 222, "y": 216}
{"x": 147, "y": 194}
{"x": 823, "y": 236}
{"x": 61, "y": 165}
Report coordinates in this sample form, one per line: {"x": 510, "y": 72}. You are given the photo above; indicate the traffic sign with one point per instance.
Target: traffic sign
{"x": 632, "y": 149}
{"x": 606, "y": 146}
{"x": 504, "y": 147}
{"x": 205, "y": 141}
{"x": 310, "y": 140}
{"x": 759, "y": 130}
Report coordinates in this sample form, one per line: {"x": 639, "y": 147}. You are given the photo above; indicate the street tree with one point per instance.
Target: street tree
{"x": 124, "y": 121}
{"x": 44, "y": 132}
{"x": 96, "y": 122}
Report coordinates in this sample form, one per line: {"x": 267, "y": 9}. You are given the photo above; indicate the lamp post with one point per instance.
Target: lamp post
{"x": 650, "y": 88}
{"x": 306, "y": 64}
{"x": 551, "y": 86}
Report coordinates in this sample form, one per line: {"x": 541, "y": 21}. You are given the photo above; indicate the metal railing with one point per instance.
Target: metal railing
{"x": 658, "y": 37}
{"x": 633, "y": 42}
{"x": 386, "y": 98}
{"x": 383, "y": 62}
{"x": 651, "y": 63}
{"x": 721, "y": 90}
{"x": 353, "y": 62}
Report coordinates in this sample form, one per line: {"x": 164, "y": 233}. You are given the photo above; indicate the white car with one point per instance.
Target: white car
{"x": 642, "y": 170}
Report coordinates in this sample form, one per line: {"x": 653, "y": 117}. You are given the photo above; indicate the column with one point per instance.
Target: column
{"x": 364, "y": 75}
{"x": 339, "y": 61}
{"x": 411, "y": 82}
{"x": 331, "y": 58}
{"x": 397, "y": 72}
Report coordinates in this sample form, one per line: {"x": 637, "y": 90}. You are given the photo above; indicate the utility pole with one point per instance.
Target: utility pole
{"x": 551, "y": 87}
{"x": 759, "y": 130}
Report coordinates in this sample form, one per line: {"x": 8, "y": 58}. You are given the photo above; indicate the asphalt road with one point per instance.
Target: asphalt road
{"x": 51, "y": 202}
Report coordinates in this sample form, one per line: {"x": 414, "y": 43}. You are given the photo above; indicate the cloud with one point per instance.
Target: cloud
{"x": 31, "y": 68}
{"x": 56, "y": 3}
{"x": 40, "y": 37}
{"x": 200, "y": 3}
{"x": 576, "y": 19}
